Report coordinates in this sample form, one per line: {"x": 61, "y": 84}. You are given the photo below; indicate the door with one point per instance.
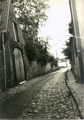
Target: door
{"x": 19, "y": 66}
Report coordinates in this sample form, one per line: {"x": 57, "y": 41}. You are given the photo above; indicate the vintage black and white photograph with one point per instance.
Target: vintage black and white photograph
{"x": 42, "y": 59}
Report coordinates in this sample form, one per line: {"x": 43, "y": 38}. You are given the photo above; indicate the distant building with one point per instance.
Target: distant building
{"x": 76, "y": 7}
{"x": 13, "y": 60}
{"x": 63, "y": 63}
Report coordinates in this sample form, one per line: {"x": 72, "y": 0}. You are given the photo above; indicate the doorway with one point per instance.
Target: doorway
{"x": 19, "y": 65}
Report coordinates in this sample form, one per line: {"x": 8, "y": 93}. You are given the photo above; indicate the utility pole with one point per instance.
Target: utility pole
{"x": 4, "y": 61}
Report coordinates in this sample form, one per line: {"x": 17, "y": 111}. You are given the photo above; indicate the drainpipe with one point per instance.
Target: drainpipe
{"x": 4, "y": 62}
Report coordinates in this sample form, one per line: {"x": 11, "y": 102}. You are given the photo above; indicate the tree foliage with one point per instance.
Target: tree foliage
{"x": 42, "y": 53}
{"x": 68, "y": 51}
{"x": 52, "y": 60}
{"x": 71, "y": 28}
{"x": 37, "y": 51}
{"x": 31, "y": 14}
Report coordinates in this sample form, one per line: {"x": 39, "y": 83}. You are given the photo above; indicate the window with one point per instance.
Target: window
{"x": 15, "y": 31}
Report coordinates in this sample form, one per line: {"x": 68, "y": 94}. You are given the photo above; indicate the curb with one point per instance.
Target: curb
{"x": 72, "y": 95}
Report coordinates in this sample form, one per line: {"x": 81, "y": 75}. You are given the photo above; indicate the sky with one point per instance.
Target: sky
{"x": 56, "y": 26}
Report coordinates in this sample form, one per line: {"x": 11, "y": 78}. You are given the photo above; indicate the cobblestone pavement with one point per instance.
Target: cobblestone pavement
{"x": 15, "y": 100}
{"x": 52, "y": 102}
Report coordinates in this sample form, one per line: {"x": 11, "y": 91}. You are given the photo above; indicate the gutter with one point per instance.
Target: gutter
{"x": 72, "y": 95}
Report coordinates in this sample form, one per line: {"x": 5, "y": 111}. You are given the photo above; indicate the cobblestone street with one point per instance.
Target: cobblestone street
{"x": 41, "y": 59}
{"x": 53, "y": 101}
{"x": 47, "y": 99}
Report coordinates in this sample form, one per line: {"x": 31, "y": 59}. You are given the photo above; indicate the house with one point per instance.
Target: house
{"x": 76, "y": 7}
{"x": 63, "y": 63}
{"x": 13, "y": 60}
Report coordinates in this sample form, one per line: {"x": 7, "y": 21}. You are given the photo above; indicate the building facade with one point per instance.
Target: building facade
{"x": 76, "y": 7}
{"x": 13, "y": 60}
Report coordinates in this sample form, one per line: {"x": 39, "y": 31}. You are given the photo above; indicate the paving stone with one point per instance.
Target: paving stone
{"x": 52, "y": 100}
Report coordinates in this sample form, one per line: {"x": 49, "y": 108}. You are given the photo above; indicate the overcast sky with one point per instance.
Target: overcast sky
{"x": 56, "y": 26}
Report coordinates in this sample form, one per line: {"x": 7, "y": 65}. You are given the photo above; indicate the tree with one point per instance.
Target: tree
{"x": 31, "y": 14}
{"x": 52, "y": 60}
{"x": 68, "y": 51}
{"x": 71, "y": 28}
{"x": 30, "y": 51}
{"x": 42, "y": 53}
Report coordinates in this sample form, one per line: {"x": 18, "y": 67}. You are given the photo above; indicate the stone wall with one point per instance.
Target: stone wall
{"x": 13, "y": 56}
{"x": 36, "y": 69}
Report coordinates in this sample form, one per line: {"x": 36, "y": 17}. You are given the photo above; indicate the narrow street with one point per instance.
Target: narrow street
{"x": 44, "y": 97}
{"x": 41, "y": 59}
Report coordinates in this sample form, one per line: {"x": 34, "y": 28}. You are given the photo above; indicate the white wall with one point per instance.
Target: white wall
{"x": 35, "y": 69}
{"x": 80, "y": 15}
{"x": 77, "y": 7}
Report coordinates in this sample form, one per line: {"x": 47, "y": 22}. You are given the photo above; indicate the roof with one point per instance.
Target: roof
{"x": 4, "y": 14}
